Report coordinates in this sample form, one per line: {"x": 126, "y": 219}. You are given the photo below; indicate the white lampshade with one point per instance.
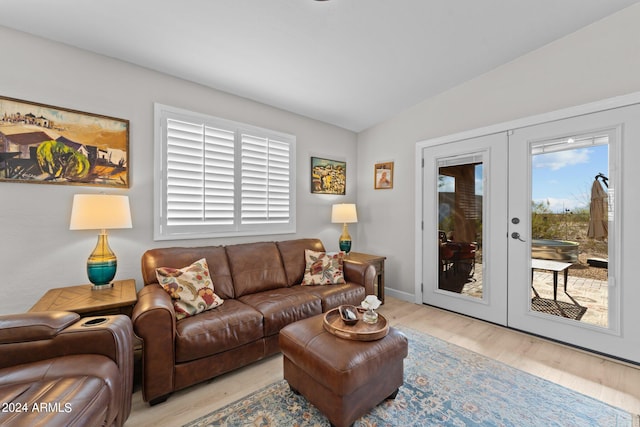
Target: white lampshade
{"x": 344, "y": 213}
{"x": 99, "y": 212}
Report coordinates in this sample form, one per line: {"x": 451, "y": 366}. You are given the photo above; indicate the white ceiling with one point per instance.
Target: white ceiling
{"x": 352, "y": 63}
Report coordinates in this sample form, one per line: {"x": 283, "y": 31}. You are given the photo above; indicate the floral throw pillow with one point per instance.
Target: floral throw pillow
{"x": 191, "y": 288}
{"x": 323, "y": 268}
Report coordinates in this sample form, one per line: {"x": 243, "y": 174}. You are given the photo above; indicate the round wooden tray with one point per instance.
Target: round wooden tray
{"x": 361, "y": 331}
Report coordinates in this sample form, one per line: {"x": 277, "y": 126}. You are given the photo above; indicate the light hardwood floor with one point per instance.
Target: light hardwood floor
{"x": 609, "y": 381}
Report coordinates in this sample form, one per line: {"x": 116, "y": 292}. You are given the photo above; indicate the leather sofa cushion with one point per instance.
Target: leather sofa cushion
{"x": 181, "y": 257}
{"x": 279, "y": 307}
{"x": 69, "y": 401}
{"x": 226, "y": 327}
{"x": 292, "y": 252}
{"x": 81, "y": 389}
{"x": 333, "y": 296}
{"x": 256, "y": 267}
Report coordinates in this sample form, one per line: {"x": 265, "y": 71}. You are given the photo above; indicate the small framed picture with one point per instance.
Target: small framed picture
{"x": 383, "y": 176}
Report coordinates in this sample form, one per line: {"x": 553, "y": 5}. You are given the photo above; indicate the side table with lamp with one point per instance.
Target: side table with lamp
{"x": 346, "y": 213}
{"x": 103, "y": 296}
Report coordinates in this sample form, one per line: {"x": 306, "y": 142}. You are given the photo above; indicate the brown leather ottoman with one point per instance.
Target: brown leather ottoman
{"x": 343, "y": 378}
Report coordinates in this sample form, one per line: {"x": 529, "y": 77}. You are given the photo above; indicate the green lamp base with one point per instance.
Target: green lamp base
{"x": 102, "y": 264}
{"x": 102, "y": 273}
{"x": 345, "y": 245}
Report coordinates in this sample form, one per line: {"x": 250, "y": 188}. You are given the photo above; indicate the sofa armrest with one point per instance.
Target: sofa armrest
{"x": 154, "y": 321}
{"x": 361, "y": 274}
{"x": 26, "y": 327}
{"x": 110, "y": 336}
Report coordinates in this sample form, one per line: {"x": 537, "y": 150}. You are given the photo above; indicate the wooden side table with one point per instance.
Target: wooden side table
{"x": 81, "y": 299}
{"x": 378, "y": 262}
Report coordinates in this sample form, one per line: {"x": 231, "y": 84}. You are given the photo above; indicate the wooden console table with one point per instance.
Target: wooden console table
{"x": 378, "y": 262}
{"x": 81, "y": 299}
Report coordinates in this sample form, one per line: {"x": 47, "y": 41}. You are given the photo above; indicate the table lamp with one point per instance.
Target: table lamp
{"x": 346, "y": 214}
{"x": 100, "y": 212}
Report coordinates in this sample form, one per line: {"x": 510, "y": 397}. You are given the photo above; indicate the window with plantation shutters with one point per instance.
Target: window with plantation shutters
{"x": 265, "y": 180}
{"x": 218, "y": 178}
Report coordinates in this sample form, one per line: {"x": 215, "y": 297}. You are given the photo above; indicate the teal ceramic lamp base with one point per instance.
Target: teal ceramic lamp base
{"x": 101, "y": 274}
{"x": 345, "y": 245}
{"x": 102, "y": 264}
{"x": 345, "y": 239}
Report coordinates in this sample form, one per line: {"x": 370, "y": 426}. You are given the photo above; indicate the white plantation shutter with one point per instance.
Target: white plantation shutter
{"x": 279, "y": 181}
{"x": 219, "y": 178}
{"x": 200, "y": 181}
{"x": 265, "y": 181}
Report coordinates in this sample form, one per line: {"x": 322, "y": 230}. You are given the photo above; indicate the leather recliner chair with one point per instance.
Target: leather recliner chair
{"x": 59, "y": 370}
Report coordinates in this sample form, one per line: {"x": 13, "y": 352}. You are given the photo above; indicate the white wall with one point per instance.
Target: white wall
{"x": 37, "y": 250}
{"x": 596, "y": 62}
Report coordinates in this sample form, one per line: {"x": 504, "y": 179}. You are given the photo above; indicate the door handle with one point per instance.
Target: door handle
{"x": 516, "y": 236}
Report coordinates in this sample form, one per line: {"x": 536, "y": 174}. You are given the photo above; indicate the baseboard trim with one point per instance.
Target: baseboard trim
{"x": 404, "y": 296}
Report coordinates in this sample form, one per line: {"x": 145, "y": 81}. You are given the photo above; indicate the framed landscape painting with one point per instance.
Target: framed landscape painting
{"x": 51, "y": 145}
{"x": 328, "y": 176}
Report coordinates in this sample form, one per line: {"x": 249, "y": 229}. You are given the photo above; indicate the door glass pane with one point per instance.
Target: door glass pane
{"x": 569, "y": 223}
{"x": 460, "y": 208}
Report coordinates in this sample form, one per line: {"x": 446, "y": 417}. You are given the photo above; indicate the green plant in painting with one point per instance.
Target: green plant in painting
{"x": 60, "y": 161}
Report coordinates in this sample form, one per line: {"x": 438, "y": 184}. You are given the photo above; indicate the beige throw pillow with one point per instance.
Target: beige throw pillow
{"x": 323, "y": 268}
{"x": 191, "y": 288}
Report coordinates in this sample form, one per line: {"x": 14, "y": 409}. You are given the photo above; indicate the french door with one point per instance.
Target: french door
{"x": 465, "y": 216}
{"x": 508, "y": 219}
{"x": 581, "y": 153}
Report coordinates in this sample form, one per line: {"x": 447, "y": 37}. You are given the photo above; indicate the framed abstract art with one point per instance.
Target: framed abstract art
{"x": 328, "y": 176}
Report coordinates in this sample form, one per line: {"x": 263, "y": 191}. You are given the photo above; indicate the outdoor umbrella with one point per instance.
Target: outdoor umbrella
{"x": 598, "y": 218}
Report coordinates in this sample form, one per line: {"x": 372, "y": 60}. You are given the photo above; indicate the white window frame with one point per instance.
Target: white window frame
{"x": 270, "y": 191}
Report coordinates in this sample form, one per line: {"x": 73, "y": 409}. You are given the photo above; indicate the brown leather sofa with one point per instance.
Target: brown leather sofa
{"x": 58, "y": 370}
{"x": 260, "y": 283}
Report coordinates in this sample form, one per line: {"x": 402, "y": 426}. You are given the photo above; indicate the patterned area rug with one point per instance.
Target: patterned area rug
{"x": 444, "y": 385}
